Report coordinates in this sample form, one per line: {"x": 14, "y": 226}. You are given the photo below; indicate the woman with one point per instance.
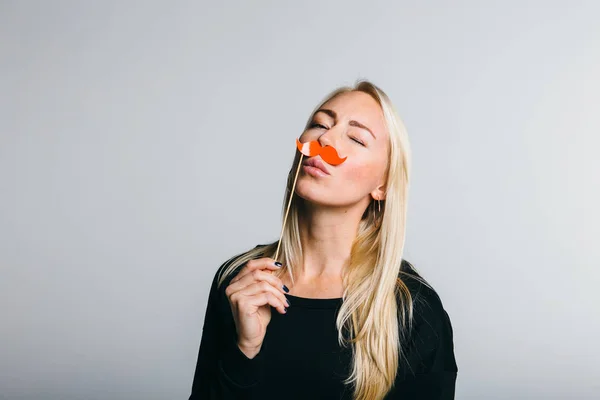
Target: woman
{"x": 341, "y": 315}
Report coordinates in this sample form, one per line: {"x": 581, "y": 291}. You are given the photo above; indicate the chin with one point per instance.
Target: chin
{"x": 310, "y": 194}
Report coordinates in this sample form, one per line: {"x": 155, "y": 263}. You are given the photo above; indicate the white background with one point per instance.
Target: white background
{"x": 144, "y": 143}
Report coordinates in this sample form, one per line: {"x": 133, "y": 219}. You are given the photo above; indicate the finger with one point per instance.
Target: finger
{"x": 264, "y": 287}
{"x": 255, "y": 276}
{"x": 264, "y": 298}
{"x": 246, "y": 305}
{"x": 253, "y": 265}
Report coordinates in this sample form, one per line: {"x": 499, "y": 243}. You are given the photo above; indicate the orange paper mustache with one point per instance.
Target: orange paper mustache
{"x": 314, "y": 148}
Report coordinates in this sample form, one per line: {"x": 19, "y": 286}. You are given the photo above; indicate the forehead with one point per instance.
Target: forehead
{"x": 359, "y": 106}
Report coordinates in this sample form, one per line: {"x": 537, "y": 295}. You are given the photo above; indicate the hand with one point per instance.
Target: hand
{"x": 251, "y": 295}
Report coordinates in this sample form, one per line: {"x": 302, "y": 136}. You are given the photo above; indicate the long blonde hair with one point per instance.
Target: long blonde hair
{"x": 376, "y": 313}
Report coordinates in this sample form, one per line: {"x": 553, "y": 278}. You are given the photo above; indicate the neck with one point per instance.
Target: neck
{"x": 327, "y": 234}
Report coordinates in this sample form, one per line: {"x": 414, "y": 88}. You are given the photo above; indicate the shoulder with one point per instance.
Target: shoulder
{"x": 426, "y": 301}
{"x": 222, "y": 277}
{"x": 431, "y": 333}
{"x": 230, "y": 268}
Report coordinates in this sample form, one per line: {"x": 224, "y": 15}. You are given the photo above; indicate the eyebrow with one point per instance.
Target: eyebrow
{"x": 333, "y": 115}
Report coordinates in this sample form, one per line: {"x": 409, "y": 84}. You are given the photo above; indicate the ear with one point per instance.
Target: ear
{"x": 379, "y": 193}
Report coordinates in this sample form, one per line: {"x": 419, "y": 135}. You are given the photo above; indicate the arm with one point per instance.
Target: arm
{"x": 430, "y": 353}
{"x": 223, "y": 372}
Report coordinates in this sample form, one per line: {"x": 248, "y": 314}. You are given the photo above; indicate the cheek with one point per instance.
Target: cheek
{"x": 308, "y": 136}
{"x": 359, "y": 176}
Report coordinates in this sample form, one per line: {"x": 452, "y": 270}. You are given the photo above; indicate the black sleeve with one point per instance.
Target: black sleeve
{"x": 223, "y": 372}
{"x": 432, "y": 370}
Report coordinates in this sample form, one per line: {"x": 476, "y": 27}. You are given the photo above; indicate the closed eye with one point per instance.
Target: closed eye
{"x": 358, "y": 141}
{"x": 315, "y": 125}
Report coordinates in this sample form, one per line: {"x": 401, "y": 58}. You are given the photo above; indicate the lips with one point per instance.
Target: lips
{"x": 316, "y": 163}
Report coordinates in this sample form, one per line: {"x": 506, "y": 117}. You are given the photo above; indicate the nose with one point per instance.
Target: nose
{"x": 330, "y": 137}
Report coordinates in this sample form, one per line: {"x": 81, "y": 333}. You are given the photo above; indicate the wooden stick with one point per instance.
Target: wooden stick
{"x": 289, "y": 203}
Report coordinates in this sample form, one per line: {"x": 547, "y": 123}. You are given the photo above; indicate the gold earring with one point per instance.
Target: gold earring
{"x": 376, "y": 216}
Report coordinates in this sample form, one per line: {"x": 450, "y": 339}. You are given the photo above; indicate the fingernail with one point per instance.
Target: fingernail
{"x": 277, "y": 264}
{"x": 284, "y": 309}
{"x": 287, "y": 302}
{"x": 285, "y": 289}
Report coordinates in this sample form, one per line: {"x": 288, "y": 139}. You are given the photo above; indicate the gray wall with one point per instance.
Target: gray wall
{"x": 132, "y": 166}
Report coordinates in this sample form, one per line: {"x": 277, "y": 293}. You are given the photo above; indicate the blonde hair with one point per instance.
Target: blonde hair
{"x": 376, "y": 313}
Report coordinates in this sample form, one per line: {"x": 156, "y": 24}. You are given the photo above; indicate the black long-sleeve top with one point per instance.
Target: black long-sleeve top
{"x": 300, "y": 357}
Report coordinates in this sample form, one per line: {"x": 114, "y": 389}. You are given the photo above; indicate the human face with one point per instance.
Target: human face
{"x": 354, "y": 125}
